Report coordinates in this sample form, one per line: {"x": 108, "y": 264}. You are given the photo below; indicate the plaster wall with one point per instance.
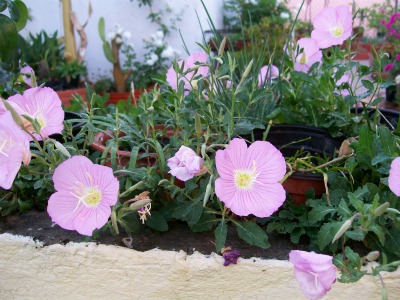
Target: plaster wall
{"x": 47, "y": 15}
{"x": 89, "y": 271}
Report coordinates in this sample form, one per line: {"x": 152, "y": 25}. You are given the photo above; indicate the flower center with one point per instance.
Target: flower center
{"x": 303, "y": 58}
{"x": 92, "y": 196}
{"x": 244, "y": 179}
{"x": 337, "y": 31}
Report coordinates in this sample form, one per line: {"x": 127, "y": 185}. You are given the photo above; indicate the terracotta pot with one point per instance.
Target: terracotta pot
{"x": 318, "y": 142}
{"x": 123, "y": 157}
{"x": 67, "y": 95}
{"x": 299, "y": 183}
{"x": 115, "y": 97}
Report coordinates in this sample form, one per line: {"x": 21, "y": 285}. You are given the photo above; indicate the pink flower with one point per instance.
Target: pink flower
{"x": 398, "y": 57}
{"x": 314, "y": 272}
{"x": 249, "y": 178}
{"x": 394, "y": 177}
{"x": 310, "y": 55}
{"x": 84, "y": 194}
{"x": 27, "y": 72}
{"x": 266, "y": 74}
{"x": 190, "y": 62}
{"x": 42, "y": 104}
{"x": 185, "y": 164}
{"x": 388, "y": 67}
{"x": 332, "y": 26}
{"x": 14, "y": 149}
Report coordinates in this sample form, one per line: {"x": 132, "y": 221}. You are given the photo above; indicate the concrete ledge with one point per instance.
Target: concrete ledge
{"x": 89, "y": 271}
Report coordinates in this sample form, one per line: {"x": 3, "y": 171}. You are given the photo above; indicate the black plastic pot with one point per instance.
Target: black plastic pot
{"x": 391, "y": 116}
{"x": 310, "y": 140}
{"x": 291, "y": 138}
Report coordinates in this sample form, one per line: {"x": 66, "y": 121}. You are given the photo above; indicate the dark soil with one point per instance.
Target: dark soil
{"x": 38, "y": 225}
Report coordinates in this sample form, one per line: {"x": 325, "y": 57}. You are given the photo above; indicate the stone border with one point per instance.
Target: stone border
{"x": 90, "y": 271}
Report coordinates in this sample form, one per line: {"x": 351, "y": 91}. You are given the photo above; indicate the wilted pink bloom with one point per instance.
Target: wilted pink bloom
{"x": 394, "y": 177}
{"x": 249, "y": 178}
{"x": 388, "y": 67}
{"x": 14, "y": 149}
{"x": 42, "y": 104}
{"x": 84, "y": 194}
{"x": 314, "y": 272}
{"x": 185, "y": 164}
{"x": 332, "y": 26}
{"x": 309, "y": 56}
{"x": 189, "y": 63}
{"x": 266, "y": 74}
{"x": 27, "y": 72}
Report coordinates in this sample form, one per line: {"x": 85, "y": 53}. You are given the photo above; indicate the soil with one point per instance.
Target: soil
{"x": 38, "y": 225}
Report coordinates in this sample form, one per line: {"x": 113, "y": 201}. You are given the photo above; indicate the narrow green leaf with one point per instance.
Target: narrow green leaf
{"x": 253, "y": 234}
{"x": 318, "y": 213}
{"x": 379, "y": 232}
{"x": 326, "y": 233}
{"x": 220, "y": 235}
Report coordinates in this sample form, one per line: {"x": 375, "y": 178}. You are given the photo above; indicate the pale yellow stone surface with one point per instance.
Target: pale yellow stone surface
{"x": 89, "y": 271}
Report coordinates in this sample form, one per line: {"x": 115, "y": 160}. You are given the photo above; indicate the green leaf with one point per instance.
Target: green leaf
{"x": 356, "y": 234}
{"x": 157, "y": 221}
{"x": 344, "y": 210}
{"x": 326, "y": 233}
{"x": 108, "y": 52}
{"x": 194, "y": 212}
{"x": 8, "y": 37}
{"x": 378, "y": 231}
{"x": 318, "y": 213}
{"x": 18, "y": 13}
{"x": 252, "y": 234}
{"x": 101, "y": 27}
{"x": 389, "y": 145}
{"x": 367, "y": 84}
{"x": 392, "y": 242}
{"x": 220, "y": 235}
{"x": 296, "y": 234}
{"x": 357, "y": 204}
{"x": 206, "y": 222}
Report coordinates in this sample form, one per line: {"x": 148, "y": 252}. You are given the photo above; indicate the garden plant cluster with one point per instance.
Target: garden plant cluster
{"x": 197, "y": 148}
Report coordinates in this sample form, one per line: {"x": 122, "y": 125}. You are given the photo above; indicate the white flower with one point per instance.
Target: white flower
{"x": 111, "y": 35}
{"x": 397, "y": 79}
{"x": 152, "y": 60}
{"x": 126, "y": 35}
{"x": 118, "y": 28}
{"x": 159, "y": 34}
{"x": 168, "y": 52}
{"x": 118, "y": 40}
{"x": 284, "y": 15}
{"x": 158, "y": 43}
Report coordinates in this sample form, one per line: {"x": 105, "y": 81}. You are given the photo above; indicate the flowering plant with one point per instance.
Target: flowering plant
{"x": 192, "y": 154}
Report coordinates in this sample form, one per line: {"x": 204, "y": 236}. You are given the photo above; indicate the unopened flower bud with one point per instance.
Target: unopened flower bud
{"x": 346, "y": 225}
{"x": 151, "y": 108}
{"x": 381, "y": 209}
{"x": 218, "y": 59}
{"x": 372, "y": 256}
{"x": 60, "y": 147}
{"x": 208, "y": 191}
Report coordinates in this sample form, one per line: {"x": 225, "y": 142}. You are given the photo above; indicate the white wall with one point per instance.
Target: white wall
{"x": 47, "y": 15}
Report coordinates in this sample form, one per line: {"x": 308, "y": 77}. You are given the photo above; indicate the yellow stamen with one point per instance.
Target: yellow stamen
{"x": 244, "y": 179}
{"x": 303, "y": 58}
{"x": 337, "y": 31}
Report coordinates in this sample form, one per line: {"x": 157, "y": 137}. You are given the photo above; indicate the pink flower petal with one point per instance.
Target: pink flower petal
{"x": 394, "y": 176}
{"x": 72, "y": 170}
{"x": 249, "y": 178}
